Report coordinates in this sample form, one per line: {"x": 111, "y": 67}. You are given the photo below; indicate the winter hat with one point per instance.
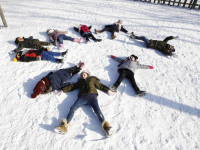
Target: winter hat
{"x": 120, "y": 21}
{"x": 46, "y": 81}
{"x": 39, "y": 88}
{"x": 49, "y": 31}
{"x": 133, "y": 56}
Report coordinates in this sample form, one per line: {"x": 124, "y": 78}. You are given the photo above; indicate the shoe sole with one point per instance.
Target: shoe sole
{"x": 141, "y": 94}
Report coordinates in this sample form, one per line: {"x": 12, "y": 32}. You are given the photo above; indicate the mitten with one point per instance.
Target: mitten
{"x": 175, "y": 37}
{"x": 112, "y": 56}
{"x": 151, "y": 67}
{"x": 111, "y": 93}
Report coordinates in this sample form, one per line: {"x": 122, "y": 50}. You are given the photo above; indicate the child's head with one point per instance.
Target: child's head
{"x": 49, "y": 31}
{"x": 84, "y": 74}
{"x": 170, "y": 48}
{"x": 18, "y": 40}
{"x": 133, "y": 57}
{"x": 120, "y": 21}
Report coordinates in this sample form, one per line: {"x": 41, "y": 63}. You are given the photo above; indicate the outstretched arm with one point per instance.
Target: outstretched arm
{"x": 76, "y": 29}
{"x": 124, "y": 30}
{"x": 116, "y": 58}
{"x": 70, "y": 87}
{"x": 140, "y": 66}
{"x": 168, "y": 38}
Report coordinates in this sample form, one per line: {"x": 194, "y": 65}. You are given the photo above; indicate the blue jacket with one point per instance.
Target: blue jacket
{"x": 58, "y": 79}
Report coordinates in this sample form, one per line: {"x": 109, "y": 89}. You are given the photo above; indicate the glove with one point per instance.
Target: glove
{"x": 12, "y": 52}
{"x": 111, "y": 93}
{"x": 175, "y": 37}
{"x": 151, "y": 67}
{"x": 112, "y": 56}
{"x": 38, "y": 58}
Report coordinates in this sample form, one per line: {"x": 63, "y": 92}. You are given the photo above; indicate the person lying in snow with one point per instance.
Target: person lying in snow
{"x": 28, "y": 43}
{"x": 126, "y": 69}
{"x": 87, "y": 96}
{"x": 85, "y": 32}
{"x": 162, "y": 46}
{"x": 56, "y": 80}
{"x": 56, "y": 35}
{"x": 37, "y": 55}
{"x": 115, "y": 27}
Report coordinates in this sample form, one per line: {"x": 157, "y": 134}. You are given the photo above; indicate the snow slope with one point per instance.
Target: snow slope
{"x": 167, "y": 118}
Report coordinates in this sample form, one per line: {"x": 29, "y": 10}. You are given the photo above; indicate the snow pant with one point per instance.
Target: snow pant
{"x": 124, "y": 73}
{"x": 73, "y": 70}
{"x": 39, "y": 44}
{"x": 64, "y": 37}
{"x": 109, "y": 29}
{"x": 143, "y": 38}
{"x": 46, "y": 55}
{"x": 80, "y": 102}
{"x": 88, "y": 35}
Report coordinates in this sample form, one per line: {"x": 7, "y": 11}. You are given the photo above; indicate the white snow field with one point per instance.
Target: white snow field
{"x": 167, "y": 118}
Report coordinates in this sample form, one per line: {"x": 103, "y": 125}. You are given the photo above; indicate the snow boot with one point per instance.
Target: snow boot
{"x": 88, "y": 41}
{"x": 64, "y": 53}
{"x": 98, "y": 40}
{"x": 113, "y": 37}
{"x": 97, "y": 31}
{"x": 60, "y": 61}
{"x": 140, "y": 93}
{"x": 106, "y": 128}
{"x": 63, "y": 128}
{"x": 77, "y": 40}
{"x": 132, "y": 36}
{"x": 62, "y": 47}
{"x": 113, "y": 88}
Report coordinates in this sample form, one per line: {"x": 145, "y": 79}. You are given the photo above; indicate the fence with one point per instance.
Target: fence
{"x": 192, "y": 4}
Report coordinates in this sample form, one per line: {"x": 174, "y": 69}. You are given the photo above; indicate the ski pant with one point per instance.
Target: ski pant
{"x": 109, "y": 29}
{"x": 73, "y": 70}
{"x": 124, "y": 73}
{"x": 46, "y": 55}
{"x": 64, "y": 37}
{"x": 88, "y": 35}
{"x": 143, "y": 38}
{"x": 80, "y": 102}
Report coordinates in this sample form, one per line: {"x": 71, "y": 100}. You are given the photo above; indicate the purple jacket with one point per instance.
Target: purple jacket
{"x": 54, "y": 35}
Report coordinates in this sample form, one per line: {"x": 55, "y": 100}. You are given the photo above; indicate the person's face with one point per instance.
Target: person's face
{"x": 20, "y": 39}
{"x": 171, "y": 47}
{"x": 84, "y": 75}
{"x": 133, "y": 59}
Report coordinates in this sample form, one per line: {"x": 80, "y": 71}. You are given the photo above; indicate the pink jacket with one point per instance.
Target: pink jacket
{"x": 54, "y": 35}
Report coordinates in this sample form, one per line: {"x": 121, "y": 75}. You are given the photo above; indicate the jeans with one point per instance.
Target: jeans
{"x": 80, "y": 102}
{"x": 64, "y": 37}
{"x": 124, "y": 73}
{"x": 46, "y": 55}
{"x": 143, "y": 38}
{"x": 88, "y": 35}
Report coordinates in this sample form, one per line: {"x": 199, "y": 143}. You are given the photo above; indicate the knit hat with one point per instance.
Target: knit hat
{"x": 16, "y": 41}
{"x": 49, "y": 31}
{"x": 39, "y": 88}
{"x": 133, "y": 56}
{"x": 46, "y": 81}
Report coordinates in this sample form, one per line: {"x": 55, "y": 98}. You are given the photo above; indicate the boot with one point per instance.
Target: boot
{"x": 140, "y": 93}
{"x": 60, "y": 61}
{"x": 106, "y": 128}
{"x": 98, "y": 40}
{"x": 64, "y": 53}
{"x": 95, "y": 30}
{"x": 62, "y": 47}
{"x": 132, "y": 36}
{"x": 113, "y": 88}
{"x": 113, "y": 37}
{"x": 77, "y": 40}
{"x": 63, "y": 128}
{"x": 88, "y": 41}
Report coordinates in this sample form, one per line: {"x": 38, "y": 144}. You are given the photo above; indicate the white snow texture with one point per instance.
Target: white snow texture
{"x": 167, "y": 118}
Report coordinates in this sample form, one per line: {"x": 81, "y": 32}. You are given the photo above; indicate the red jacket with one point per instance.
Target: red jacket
{"x": 84, "y": 28}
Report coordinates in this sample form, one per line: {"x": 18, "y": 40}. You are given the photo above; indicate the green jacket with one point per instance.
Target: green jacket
{"x": 86, "y": 86}
{"x": 161, "y": 45}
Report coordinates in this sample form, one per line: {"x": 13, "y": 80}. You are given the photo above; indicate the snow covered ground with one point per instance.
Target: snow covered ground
{"x": 167, "y": 118}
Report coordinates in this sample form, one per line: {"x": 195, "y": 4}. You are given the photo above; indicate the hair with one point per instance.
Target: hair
{"x": 86, "y": 73}
{"x": 16, "y": 41}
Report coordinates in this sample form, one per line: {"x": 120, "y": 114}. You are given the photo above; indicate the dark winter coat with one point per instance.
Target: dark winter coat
{"x": 27, "y": 43}
{"x": 58, "y": 79}
{"x": 31, "y": 55}
{"x": 130, "y": 65}
{"x": 116, "y": 27}
{"x": 161, "y": 45}
{"x": 86, "y": 86}
{"x": 83, "y": 30}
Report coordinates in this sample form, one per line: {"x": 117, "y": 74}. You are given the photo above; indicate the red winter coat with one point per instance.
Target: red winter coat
{"x": 84, "y": 28}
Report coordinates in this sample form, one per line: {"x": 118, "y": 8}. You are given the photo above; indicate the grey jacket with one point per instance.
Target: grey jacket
{"x": 130, "y": 65}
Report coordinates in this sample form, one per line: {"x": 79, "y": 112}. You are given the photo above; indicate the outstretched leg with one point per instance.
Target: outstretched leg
{"x": 46, "y": 55}
{"x": 131, "y": 78}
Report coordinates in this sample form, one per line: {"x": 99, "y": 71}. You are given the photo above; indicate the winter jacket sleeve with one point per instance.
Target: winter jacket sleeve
{"x": 118, "y": 59}
{"x": 123, "y": 29}
{"x": 90, "y": 27}
{"x": 64, "y": 32}
{"x": 140, "y": 66}
{"x": 21, "y": 46}
{"x": 101, "y": 86}
{"x": 51, "y": 38}
{"x": 70, "y": 87}
{"x": 168, "y": 38}
{"x": 76, "y": 29}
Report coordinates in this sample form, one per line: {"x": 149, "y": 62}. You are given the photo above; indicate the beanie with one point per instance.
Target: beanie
{"x": 49, "y": 31}
{"x": 39, "y": 88}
